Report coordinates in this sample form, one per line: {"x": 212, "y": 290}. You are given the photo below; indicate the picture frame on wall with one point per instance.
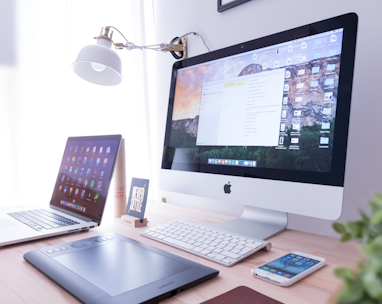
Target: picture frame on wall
{"x": 224, "y": 5}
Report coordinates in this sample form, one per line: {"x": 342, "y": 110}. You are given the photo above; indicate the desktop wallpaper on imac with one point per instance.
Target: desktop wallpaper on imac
{"x": 271, "y": 108}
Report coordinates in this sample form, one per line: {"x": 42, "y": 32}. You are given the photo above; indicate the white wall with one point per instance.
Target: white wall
{"x": 259, "y": 18}
{"x": 43, "y": 102}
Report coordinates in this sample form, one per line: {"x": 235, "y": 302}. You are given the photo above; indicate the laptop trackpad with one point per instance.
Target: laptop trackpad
{"x": 118, "y": 267}
{"x": 6, "y": 224}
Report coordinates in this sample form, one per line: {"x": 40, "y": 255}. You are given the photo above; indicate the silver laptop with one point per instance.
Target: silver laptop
{"x": 79, "y": 195}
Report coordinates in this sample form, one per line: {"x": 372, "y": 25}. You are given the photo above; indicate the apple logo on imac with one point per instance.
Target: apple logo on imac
{"x": 227, "y": 188}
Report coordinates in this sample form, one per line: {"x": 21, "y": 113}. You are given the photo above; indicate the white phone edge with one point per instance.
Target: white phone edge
{"x": 279, "y": 280}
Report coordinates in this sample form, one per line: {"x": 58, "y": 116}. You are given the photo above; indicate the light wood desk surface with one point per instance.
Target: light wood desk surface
{"x": 22, "y": 283}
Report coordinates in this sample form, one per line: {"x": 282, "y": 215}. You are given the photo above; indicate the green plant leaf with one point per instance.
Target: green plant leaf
{"x": 351, "y": 293}
{"x": 364, "y": 217}
{"x": 355, "y": 229}
{"x": 372, "y": 284}
{"x": 340, "y": 228}
{"x": 374, "y": 207}
{"x": 365, "y": 285}
{"x": 346, "y": 237}
{"x": 378, "y": 198}
{"x": 373, "y": 251}
{"x": 367, "y": 300}
{"x": 376, "y": 218}
{"x": 361, "y": 265}
{"x": 344, "y": 273}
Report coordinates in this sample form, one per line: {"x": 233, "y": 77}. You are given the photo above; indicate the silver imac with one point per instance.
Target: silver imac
{"x": 265, "y": 124}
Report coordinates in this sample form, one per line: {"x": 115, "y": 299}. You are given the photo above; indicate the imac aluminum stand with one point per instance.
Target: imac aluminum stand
{"x": 256, "y": 223}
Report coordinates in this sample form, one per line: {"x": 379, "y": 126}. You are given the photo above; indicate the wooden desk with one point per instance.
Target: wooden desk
{"x": 22, "y": 283}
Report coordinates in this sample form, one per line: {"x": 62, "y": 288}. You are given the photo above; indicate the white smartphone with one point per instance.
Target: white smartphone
{"x": 289, "y": 268}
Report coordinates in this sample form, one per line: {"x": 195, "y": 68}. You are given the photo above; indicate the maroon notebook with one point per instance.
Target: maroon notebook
{"x": 242, "y": 295}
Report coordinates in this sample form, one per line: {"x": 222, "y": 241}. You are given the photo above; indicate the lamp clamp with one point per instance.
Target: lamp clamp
{"x": 179, "y": 45}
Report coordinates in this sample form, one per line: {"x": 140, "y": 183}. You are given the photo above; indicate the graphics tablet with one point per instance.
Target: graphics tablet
{"x": 115, "y": 269}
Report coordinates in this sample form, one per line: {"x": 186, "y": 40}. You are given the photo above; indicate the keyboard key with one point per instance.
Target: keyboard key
{"x": 205, "y": 252}
{"x": 228, "y": 261}
{"x": 245, "y": 251}
{"x": 230, "y": 254}
{"x": 197, "y": 249}
{"x": 50, "y": 251}
{"x": 253, "y": 245}
{"x": 219, "y": 257}
{"x": 179, "y": 243}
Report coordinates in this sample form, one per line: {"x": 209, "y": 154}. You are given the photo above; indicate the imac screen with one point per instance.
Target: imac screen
{"x": 257, "y": 111}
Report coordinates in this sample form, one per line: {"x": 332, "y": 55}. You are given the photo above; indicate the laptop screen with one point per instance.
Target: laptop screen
{"x": 85, "y": 174}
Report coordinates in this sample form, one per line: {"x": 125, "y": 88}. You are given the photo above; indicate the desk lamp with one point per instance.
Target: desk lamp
{"x": 101, "y": 65}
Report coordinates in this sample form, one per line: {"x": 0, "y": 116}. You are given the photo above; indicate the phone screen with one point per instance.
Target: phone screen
{"x": 289, "y": 265}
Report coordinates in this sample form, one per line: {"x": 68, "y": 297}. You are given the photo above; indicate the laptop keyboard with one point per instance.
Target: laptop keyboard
{"x": 41, "y": 219}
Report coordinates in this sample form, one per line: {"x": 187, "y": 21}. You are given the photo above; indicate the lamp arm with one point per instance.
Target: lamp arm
{"x": 155, "y": 47}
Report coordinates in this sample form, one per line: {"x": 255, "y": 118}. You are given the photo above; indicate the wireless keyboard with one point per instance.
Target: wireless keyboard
{"x": 213, "y": 244}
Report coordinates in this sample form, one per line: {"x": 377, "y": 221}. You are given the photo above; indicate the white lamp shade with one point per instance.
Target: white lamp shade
{"x": 100, "y": 56}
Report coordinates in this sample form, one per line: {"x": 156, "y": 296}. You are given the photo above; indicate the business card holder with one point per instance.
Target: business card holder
{"x": 133, "y": 221}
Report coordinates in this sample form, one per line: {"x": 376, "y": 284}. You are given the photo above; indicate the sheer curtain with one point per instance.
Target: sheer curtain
{"x": 42, "y": 102}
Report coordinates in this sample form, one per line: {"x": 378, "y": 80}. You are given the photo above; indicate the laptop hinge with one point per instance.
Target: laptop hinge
{"x": 84, "y": 218}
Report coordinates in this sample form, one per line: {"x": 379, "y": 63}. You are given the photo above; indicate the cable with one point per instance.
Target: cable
{"x": 118, "y": 32}
{"x": 176, "y": 56}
